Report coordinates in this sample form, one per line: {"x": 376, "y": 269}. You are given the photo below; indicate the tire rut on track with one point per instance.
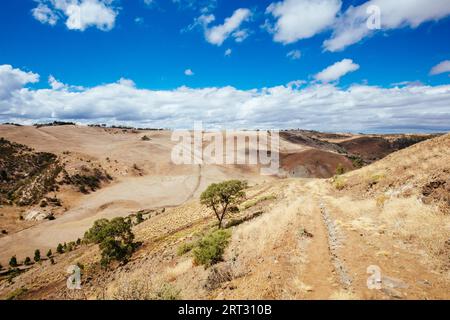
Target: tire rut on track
{"x": 334, "y": 243}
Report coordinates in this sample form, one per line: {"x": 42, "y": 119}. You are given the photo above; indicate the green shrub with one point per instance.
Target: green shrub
{"x": 37, "y": 255}
{"x": 210, "y": 248}
{"x": 13, "y": 262}
{"x": 139, "y": 218}
{"x": 185, "y": 248}
{"x": 49, "y": 253}
{"x": 60, "y": 248}
{"x": 27, "y": 261}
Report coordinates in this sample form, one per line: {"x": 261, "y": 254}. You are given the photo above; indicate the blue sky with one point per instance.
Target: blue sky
{"x": 153, "y": 43}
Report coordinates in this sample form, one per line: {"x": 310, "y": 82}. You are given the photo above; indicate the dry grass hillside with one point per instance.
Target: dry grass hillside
{"x": 293, "y": 238}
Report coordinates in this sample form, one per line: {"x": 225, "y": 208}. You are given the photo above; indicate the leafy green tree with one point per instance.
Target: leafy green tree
{"x": 221, "y": 196}
{"x": 60, "y": 248}
{"x": 13, "y": 262}
{"x": 37, "y": 255}
{"x": 115, "y": 239}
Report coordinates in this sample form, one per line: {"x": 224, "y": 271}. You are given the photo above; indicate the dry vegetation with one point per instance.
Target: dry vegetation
{"x": 289, "y": 239}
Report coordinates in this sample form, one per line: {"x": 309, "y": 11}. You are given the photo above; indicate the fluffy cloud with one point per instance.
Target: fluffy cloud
{"x": 228, "y": 52}
{"x": 218, "y": 34}
{"x": 294, "y": 54}
{"x": 44, "y": 14}
{"x": 80, "y": 14}
{"x": 337, "y": 70}
{"x": 12, "y": 80}
{"x": 351, "y": 27}
{"x": 442, "y": 67}
{"x": 296, "y": 105}
{"x": 301, "y": 19}
{"x": 188, "y": 72}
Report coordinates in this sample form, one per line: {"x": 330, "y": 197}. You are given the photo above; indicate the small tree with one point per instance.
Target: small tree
{"x": 27, "y": 261}
{"x": 221, "y": 196}
{"x": 60, "y": 248}
{"x": 37, "y": 255}
{"x": 13, "y": 262}
{"x": 114, "y": 237}
{"x": 49, "y": 253}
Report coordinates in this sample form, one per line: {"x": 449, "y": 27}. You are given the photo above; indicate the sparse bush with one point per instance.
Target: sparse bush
{"x": 340, "y": 169}
{"x": 305, "y": 233}
{"x": 60, "y": 248}
{"x": 238, "y": 221}
{"x": 219, "y": 275}
{"x": 380, "y": 200}
{"x": 221, "y": 196}
{"x": 357, "y": 162}
{"x": 13, "y": 262}
{"x": 145, "y": 138}
{"x": 339, "y": 183}
{"x": 167, "y": 292}
{"x": 37, "y": 255}
{"x": 139, "y": 218}
{"x": 376, "y": 178}
{"x": 210, "y": 248}
{"x": 27, "y": 261}
{"x": 185, "y": 248}
{"x": 71, "y": 246}
{"x": 14, "y": 295}
{"x": 52, "y": 261}
{"x": 250, "y": 203}
{"x": 49, "y": 253}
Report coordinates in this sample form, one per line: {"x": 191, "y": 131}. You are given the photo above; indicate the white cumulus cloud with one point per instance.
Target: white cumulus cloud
{"x": 12, "y": 80}
{"x": 351, "y": 27}
{"x": 79, "y": 14}
{"x": 337, "y": 70}
{"x": 44, "y": 14}
{"x": 188, "y": 72}
{"x": 218, "y": 34}
{"x": 319, "y": 106}
{"x": 301, "y": 19}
